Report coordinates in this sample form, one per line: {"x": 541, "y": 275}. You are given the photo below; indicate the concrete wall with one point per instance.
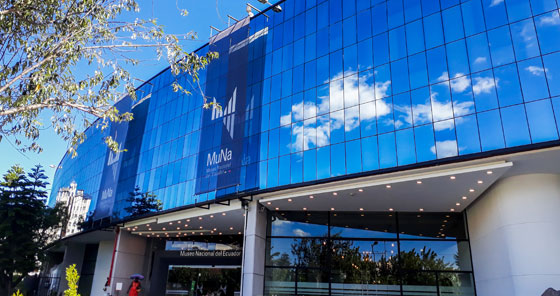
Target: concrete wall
{"x": 254, "y": 251}
{"x": 129, "y": 259}
{"x": 102, "y": 267}
{"x": 515, "y": 236}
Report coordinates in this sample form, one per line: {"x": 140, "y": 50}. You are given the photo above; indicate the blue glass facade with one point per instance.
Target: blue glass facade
{"x": 332, "y": 88}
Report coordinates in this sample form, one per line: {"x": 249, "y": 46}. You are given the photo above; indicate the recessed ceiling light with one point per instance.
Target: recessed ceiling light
{"x": 305, "y": 209}
{"x": 332, "y": 209}
{"x": 163, "y": 228}
{"x": 479, "y": 182}
{"x": 200, "y": 227}
{"x": 215, "y": 229}
{"x": 149, "y": 228}
{"x": 170, "y": 223}
{"x": 458, "y": 204}
{"x": 147, "y": 225}
{"x": 418, "y": 182}
{"x": 388, "y": 186}
{"x": 220, "y": 233}
{"x": 199, "y": 218}
{"x": 311, "y": 196}
{"x": 223, "y": 214}
{"x": 277, "y": 209}
{"x": 360, "y": 190}
{"x": 179, "y": 221}
{"x": 239, "y": 233}
{"x": 361, "y": 209}
{"x": 289, "y": 200}
{"x": 211, "y": 216}
{"x": 391, "y": 209}
{"x": 452, "y": 177}
{"x": 231, "y": 228}
{"x": 188, "y": 220}
{"x": 334, "y": 193}
{"x": 489, "y": 172}
{"x": 452, "y": 210}
{"x": 268, "y": 203}
{"x": 421, "y": 210}
{"x": 471, "y": 190}
{"x": 464, "y": 197}
{"x": 128, "y": 228}
{"x": 178, "y": 228}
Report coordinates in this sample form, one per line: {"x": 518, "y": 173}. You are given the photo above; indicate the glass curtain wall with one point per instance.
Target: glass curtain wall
{"x": 367, "y": 253}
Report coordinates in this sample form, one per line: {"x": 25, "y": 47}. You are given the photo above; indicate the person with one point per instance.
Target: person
{"x": 134, "y": 288}
{"x": 107, "y": 288}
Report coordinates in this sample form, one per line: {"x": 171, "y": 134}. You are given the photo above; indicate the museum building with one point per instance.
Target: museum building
{"x": 361, "y": 147}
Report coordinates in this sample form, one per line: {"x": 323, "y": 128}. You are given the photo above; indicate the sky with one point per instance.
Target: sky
{"x": 202, "y": 14}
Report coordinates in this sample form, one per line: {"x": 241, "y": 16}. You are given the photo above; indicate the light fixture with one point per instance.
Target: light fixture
{"x": 215, "y": 229}
{"x": 170, "y": 223}
{"x": 471, "y": 190}
{"x": 289, "y": 200}
{"x": 179, "y": 221}
{"x": 391, "y": 209}
{"x": 147, "y": 225}
{"x": 150, "y": 228}
{"x": 224, "y": 213}
{"x": 211, "y": 216}
{"x": 360, "y": 190}
{"x": 220, "y": 233}
{"x": 452, "y": 177}
{"x": 163, "y": 228}
{"x": 332, "y": 209}
{"x": 479, "y": 182}
{"x": 200, "y": 227}
{"x": 418, "y": 182}
{"x": 334, "y": 193}
{"x": 388, "y": 186}
{"x": 275, "y": 8}
{"x": 311, "y": 197}
{"x": 188, "y": 220}
{"x": 421, "y": 210}
{"x": 268, "y": 203}
{"x": 458, "y": 204}
{"x": 178, "y": 228}
{"x": 452, "y": 210}
{"x": 199, "y": 218}
{"x": 305, "y": 209}
{"x": 361, "y": 209}
{"x": 277, "y": 209}
{"x": 128, "y": 228}
{"x": 489, "y": 172}
{"x": 464, "y": 197}
{"x": 231, "y": 228}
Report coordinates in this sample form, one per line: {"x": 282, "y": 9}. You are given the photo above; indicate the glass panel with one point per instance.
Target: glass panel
{"x": 338, "y": 160}
{"x": 457, "y": 59}
{"x": 353, "y": 157}
{"x": 533, "y": 81}
{"x": 468, "y": 140}
{"x": 370, "y": 157}
{"x": 501, "y": 48}
{"x": 479, "y": 54}
{"x": 514, "y": 121}
{"x": 495, "y": 13}
{"x": 300, "y": 224}
{"x": 484, "y": 90}
{"x": 363, "y": 225}
{"x": 548, "y": 30}
{"x": 456, "y": 284}
{"x": 541, "y": 121}
{"x": 433, "y": 30}
{"x": 312, "y": 282}
{"x": 279, "y": 281}
{"x": 524, "y": 39}
{"x": 405, "y": 148}
{"x": 387, "y": 150}
{"x": 490, "y": 127}
{"x": 419, "y": 283}
{"x": 435, "y": 255}
{"x": 473, "y": 17}
{"x": 425, "y": 144}
{"x": 453, "y": 28}
{"x": 552, "y": 66}
{"x": 509, "y": 90}
{"x": 429, "y": 225}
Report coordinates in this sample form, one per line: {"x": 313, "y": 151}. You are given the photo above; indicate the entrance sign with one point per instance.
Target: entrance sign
{"x": 213, "y": 253}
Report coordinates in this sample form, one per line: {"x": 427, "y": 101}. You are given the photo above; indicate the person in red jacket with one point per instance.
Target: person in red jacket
{"x": 134, "y": 288}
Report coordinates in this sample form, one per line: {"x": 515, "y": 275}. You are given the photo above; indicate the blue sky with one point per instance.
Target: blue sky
{"x": 202, "y": 14}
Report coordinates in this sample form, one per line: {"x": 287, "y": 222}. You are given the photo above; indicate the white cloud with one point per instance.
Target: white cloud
{"x": 552, "y": 20}
{"x": 535, "y": 70}
{"x": 496, "y": 2}
{"x": 480, "y": 60}
{"x": 446, "y": 148}
{"x": 299, "y": 232}
{"x": 460, "y": 84}
{"x": 443, "y": 77}
{"x": 484, "y": 84}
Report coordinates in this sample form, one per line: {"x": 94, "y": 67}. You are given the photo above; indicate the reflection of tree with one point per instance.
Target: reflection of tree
{"x": 351, "y": 264}
{"x": 209, "y": 278}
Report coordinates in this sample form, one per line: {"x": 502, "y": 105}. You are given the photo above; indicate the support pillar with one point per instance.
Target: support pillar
{"x": 129, "y": 259}
{"x": 254, "y": 251}
{"x": 514, "y": 235}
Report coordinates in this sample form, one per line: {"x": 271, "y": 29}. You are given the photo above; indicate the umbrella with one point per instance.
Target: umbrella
{"x": 137, "y": 276}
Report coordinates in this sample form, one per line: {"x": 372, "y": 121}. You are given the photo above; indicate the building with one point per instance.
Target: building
{"x": 77, "y": 208}
{"x": 363, "y": 148}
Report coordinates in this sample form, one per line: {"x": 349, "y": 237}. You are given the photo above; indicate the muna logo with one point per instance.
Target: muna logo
{"x": 213, "y": 158}
{"x": 227, "y": 113}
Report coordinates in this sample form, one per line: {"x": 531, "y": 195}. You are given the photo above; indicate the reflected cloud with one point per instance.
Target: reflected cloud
{"x": 496, "y": 3}
{"x": 460, "y": 84}
{"x": 480, "y": 60}
{"x": 552, "y": 20}
{"x": 444, "y": 149}
{"x": 535, "y": 70}
{"x": 301, "y": 233}
{"x": 484, "y": 84}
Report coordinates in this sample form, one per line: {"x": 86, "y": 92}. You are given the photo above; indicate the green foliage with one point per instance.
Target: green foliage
{"x": 44, "y": 41}
{"x": 142, "y": 202}
{"x": 27, "y": 224}
{"x": 72, "y": 278}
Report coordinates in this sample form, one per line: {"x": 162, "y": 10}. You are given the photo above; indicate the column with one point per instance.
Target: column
{"x": 254, "y": 251}
{"x": 514, "y": 231}
{"x": 129, "y": 259}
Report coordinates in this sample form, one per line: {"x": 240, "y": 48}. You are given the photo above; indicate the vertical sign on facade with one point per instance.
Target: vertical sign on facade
{"x": 221, "y": 144}
{"x": 112, "y": 165}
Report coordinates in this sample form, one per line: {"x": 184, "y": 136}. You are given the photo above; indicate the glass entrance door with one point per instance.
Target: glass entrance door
{"x": 203, "y": 280}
